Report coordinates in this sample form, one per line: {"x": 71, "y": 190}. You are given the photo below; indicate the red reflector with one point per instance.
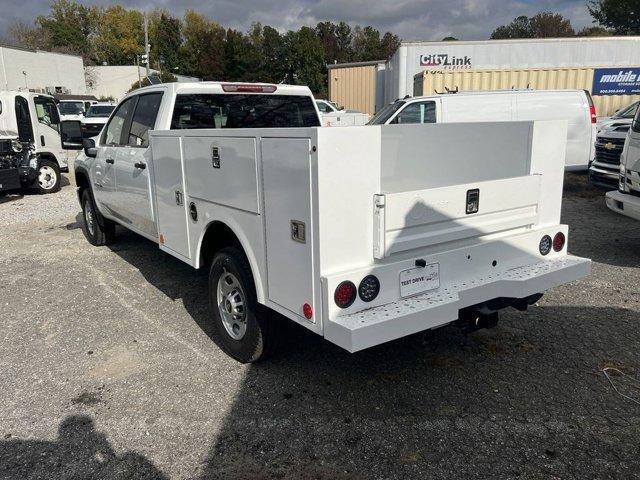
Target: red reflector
{"x": 345, "y": 294}
{"x": 248, "y": 88}
{"x": 558, "y": 241}
{"x": 308, "y": 311}
{"x": 592, "y": 112}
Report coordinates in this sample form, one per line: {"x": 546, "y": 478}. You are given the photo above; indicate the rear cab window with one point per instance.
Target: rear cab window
{"x": 221, "y": 110}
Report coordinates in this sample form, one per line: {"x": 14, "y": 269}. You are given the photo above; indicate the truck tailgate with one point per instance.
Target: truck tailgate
{"x": 419, "y": 218}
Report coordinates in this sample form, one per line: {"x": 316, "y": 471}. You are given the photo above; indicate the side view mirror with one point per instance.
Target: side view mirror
{"x": 71, "y": 135}
{"x": 89, "y": 146}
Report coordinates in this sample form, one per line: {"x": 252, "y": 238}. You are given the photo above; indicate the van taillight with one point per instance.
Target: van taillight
{"x": 592, "y": 111}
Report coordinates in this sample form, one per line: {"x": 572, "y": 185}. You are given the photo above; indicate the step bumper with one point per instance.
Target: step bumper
{"x": 381, "y": 324}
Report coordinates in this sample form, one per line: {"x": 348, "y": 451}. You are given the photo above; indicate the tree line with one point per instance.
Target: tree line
{"x": 196, "y": 45}
{"x": 615, "y": 17}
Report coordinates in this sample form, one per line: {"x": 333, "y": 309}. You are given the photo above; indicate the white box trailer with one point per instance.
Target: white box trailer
{"x": 511, "y": 54}
{"x": 388, "y": 202}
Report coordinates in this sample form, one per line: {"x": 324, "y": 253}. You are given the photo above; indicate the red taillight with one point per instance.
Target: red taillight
{"x": 308, "y": 311}
{"x": 558, "y": 241}
{"x": 345, "y": 294}
{"x": 592, "y": 112}
{"x": 248, "y": 88}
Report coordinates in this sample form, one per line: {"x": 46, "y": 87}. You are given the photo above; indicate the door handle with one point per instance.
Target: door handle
{"x": 109, "y": 160}
{"x": 178, "y": 195}
{"x": 140, "y": 165}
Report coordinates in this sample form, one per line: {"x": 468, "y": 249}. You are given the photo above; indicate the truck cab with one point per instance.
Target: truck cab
{"x": 626, "y": 200}
{"x": 32, "y": 120}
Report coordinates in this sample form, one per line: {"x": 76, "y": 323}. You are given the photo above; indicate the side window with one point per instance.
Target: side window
{"x": 324, "y": 107}
{"x": 113, "y": 132}
{"x": 144, "y": 119}
{"x": 418, "y": 112}
{"x": 0, "y": 107}
{"x": 47, "y": 111}
{"x": 635, "y": 126}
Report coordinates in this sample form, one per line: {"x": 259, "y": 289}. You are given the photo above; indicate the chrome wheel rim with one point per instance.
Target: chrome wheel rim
{"x": 88, "y": 218}
{"x": 231, "y": 305}
{"x": 47, "y": 177}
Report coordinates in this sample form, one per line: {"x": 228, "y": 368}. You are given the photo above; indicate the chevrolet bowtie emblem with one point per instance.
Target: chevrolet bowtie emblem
{"x": 609, "y": 146}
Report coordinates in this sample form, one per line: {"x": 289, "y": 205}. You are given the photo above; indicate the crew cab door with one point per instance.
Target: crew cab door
{"x": 103, "y": 173}
{"x": 132, "y": 201}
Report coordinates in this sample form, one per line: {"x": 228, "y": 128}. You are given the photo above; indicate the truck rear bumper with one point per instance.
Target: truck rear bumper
{"x": 624, "y": 203}
{"x": 381, "y": 324}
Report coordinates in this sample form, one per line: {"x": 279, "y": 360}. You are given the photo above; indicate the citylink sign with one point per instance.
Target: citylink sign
{"x": 444, "y": 61}
{"x": 616, "y": 81}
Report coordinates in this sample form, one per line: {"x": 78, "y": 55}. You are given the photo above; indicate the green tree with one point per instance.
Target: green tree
{"x": 344, "y": 41}
{"x": 272, "y": 51}
{"x": 541, "y": 25}
{"x": 165, "y": 36}
{"x": 241, "y": 59}
{"x": 550, "y": 25}
{"x": 304, "y": 60}
{"x": 388, "y": 46}
{"x": 621, "y": 16}
{"x": 202, "y": 52}
{"x": 68, "y": 27}
{"x": 520, "y": 27}
{"x": 26, "y": 36}
{"x": 119, "y": 36}
{"x": 594, "y": 32}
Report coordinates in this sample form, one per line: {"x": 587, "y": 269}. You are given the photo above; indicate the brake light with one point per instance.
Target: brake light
{"x": 248, "y": 88}
{"x": 345, "y": 294}
{"x": 558, "y": 241}
{"x": 592, "y": 112}
{"x": 307, "y": 311}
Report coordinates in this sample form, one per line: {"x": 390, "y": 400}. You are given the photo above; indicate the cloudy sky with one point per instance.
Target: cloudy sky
{"x": 411, "y": 19}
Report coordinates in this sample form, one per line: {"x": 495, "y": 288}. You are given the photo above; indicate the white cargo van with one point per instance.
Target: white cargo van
{"x": 575, "y": 106}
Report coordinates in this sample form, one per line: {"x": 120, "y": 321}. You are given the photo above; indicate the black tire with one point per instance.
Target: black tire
{"x": 97, "y": 235}
{"x": 48, "y": 180}
{"x": 258, "y": 340}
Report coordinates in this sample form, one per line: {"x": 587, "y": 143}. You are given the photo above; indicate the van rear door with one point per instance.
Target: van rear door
{"x": 571, "y": 106}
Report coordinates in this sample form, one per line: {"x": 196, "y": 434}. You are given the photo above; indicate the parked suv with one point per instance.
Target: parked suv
{"x": 604, "y": 170}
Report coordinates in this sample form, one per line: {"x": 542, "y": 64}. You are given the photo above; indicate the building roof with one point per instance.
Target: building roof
{"x": 354, "y": 64}
{"x": 33, "y": 50}
{"x": 522, "y": 40}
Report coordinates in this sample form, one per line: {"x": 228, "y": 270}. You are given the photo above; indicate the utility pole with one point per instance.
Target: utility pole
{"x": 146, "y": 41}
{"x": 138, "y": 70}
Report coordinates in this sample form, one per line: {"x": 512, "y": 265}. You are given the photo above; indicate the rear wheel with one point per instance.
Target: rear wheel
{"x": 48, "y": 176}
{"x": 97, "y": 235}
{"x": 241, "y": 327}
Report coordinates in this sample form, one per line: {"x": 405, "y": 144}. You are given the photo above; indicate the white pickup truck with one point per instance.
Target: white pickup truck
{"x": 360, "y": 234}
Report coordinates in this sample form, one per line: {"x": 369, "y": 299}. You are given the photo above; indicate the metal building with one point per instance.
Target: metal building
{"x": 355, "y": 86}
{"x": 39, "y": 71}
{"x": 592, "y": 63}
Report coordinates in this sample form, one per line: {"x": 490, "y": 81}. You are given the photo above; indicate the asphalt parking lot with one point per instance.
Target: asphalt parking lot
{"x": 107, "y": 371}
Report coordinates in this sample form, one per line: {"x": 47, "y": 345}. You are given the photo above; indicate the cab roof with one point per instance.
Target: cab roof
{"x": 223, "y": 87}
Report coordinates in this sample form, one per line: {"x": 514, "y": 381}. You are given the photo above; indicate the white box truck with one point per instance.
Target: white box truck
{"x": 360, "y": 234}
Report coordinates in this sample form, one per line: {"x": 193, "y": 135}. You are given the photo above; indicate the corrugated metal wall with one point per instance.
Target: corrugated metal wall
{"x": 540, "y": 79}
{"x": 354, "y": 87}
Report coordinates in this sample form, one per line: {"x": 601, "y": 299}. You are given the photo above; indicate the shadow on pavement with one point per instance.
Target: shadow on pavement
{"x": 79, "y": 452}
{"x": 527, "y": 399}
